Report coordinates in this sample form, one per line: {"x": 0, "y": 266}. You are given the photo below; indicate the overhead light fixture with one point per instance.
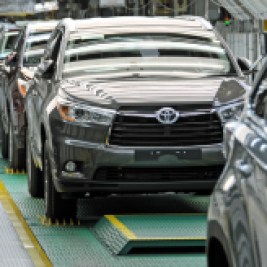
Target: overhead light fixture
{"x": 46, "y": 6}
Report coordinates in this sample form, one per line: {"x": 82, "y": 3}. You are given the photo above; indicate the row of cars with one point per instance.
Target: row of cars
{"x": 18, "y": 70}
{"x": 127, "y": 105}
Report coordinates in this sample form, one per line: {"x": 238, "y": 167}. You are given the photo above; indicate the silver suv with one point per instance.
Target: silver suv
{"x": 130, "y": 105}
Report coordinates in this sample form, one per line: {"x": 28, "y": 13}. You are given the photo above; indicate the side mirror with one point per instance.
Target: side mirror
{"x": 245, "y": 65}
{"x": 44, "y": 68}
{"x": 11, "y": 59}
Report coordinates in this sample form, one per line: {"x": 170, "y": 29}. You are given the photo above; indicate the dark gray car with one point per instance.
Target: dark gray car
{"x": 17, "y": 72}
{"x": 130, "y": 105}
{"x": 238, "y": 211}
{"x": 8, "y": 41}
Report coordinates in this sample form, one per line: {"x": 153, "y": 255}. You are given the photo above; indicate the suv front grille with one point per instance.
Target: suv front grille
{"x": 201, "y": 173}
{"x": 191, "y": 128}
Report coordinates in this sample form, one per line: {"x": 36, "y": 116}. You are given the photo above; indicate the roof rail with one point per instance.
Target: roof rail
{"x": 205, "y": 23}
{"x": 70, "y": 23}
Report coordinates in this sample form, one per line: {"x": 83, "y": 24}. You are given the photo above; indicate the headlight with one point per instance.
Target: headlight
{"x": 231, "y": 111}
{"x": 23, "y": 86}
{"x": 84, "y": 114}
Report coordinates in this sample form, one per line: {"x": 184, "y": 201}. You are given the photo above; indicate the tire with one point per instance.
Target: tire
{"x": 16, "y": 156}
{"x": 216, "y": 255}
{"x": 35, "y": 175}
{"x": 55, "y": 206}
{"x": 4, "y": 147}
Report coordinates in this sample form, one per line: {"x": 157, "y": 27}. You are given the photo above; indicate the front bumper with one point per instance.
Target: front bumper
{"x": 113, "y": 169}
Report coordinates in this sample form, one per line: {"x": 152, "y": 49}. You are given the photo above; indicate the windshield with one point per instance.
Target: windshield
{"x": 34, "y": 49}
{"x": 145, "y": 54}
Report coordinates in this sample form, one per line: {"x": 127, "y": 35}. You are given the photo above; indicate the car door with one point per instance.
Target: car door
{"x": 251, "y": 166}
{"x": 8, "y": 73}
{"x": 43, "y": 85}
{"x": 258, "y": 149}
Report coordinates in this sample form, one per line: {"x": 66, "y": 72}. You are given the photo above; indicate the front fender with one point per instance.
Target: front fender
{"x": 216, "y": 232}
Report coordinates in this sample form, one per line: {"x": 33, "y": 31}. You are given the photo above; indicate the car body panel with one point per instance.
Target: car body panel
{"x": 17, "y": 71}
{"x": 9, "y": 35}
{"x": 114, "y": 93}
{"x": 242, "y": 185}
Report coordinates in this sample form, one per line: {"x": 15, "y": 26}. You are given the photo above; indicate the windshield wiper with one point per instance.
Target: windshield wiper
{"x": 233, "y": 74}
{"x": 138, "y": 75}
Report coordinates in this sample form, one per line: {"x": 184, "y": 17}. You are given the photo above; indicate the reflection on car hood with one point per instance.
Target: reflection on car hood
{"x": 139, "y": 91}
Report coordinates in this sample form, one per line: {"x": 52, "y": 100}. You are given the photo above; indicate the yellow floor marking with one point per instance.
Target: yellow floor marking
{"x": 186, "y": 238}
{"x": 48, "y": 223}
{"x": 14, "y": 171}
{"x": 121, "y": 227}
{"x": 167, "y": 214}
{"x": 28, "y": 239}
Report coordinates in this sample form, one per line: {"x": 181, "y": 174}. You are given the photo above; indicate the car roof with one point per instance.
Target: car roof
{"x": 5, "y": 26}
{"x": 39, "y": 26}
{"x": 189, "y": 25}
{"x": 179, "y": 21}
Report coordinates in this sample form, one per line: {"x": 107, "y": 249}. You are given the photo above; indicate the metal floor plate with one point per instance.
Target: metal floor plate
{"x": 71, "y": 246}
{"x": 12, "y": 252}
{"x": 160, "y": 233}
{"x": 166, "y": 226}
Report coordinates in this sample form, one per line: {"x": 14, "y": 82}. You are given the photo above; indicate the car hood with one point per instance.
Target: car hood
{"x": 116, "y": 93}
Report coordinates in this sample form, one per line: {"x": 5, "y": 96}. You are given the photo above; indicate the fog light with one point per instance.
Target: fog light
{"x": 70, "y": 166}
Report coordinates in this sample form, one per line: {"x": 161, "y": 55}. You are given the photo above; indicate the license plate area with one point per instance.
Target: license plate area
{"x": 186, "y": 154}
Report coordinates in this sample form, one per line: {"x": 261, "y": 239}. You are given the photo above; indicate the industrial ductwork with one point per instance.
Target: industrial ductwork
{"x": 246, "y": 9}
{"x": 258, "y": 8}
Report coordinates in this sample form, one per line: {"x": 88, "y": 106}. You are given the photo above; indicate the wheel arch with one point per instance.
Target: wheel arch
{"x": 218, "y": 250}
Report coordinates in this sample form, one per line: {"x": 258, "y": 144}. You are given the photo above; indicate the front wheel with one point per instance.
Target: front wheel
{"x": 35, "y": 175}
{"x": 16, "y": 155}
{"x": 55, "y": 206}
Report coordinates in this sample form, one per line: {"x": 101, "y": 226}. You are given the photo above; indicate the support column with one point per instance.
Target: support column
{"x": 136, "y": 8}
{"x": 207, "y": 9}
{"x": 153, "y": 8}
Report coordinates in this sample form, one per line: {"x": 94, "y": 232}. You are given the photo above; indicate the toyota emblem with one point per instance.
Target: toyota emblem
{"x": 167, "y": 115}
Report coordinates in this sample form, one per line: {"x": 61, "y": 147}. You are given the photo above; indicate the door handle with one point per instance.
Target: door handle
{"x": 244, "y": 168}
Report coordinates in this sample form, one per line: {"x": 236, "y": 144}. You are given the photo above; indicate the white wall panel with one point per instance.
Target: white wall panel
{"x": 243, "y": 45}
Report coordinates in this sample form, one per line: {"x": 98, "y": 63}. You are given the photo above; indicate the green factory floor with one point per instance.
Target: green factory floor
{"x": 92, "y": 242}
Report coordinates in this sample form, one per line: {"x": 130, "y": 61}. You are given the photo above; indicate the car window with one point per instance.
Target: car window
{"x": 34, "y": 48}
{"x": 147, "y": 53}
{"x": 11, "y": 40}
{"x": 52, "y": 50}
{"x": 8, "y": 41}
